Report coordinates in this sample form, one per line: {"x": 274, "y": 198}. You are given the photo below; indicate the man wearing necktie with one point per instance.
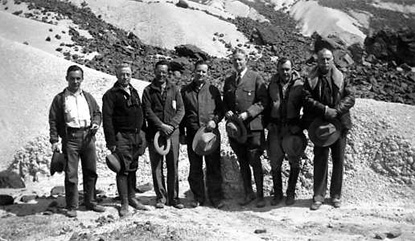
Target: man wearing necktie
{"x": 245, "y": 97}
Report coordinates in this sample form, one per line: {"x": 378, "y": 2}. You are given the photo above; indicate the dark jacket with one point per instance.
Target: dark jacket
{"x": 201, "y": 106}
{"x": 285, "y": 110}
{"x": 342, "y": 93}
{"x": 122, "y": 112}
{"x": 249, "y": 95}
{"x": 57, "y": 124}
{"x": 158, "y": 111}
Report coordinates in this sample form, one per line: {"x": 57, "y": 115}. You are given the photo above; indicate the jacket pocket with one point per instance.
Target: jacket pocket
{"x": 256, "y": 124}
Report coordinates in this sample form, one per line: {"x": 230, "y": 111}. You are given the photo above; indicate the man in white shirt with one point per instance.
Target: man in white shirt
{"x": 75, "y": 117}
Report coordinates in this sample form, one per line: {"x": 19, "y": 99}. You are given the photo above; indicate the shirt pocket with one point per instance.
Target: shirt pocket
{"x": 248, "y": 94}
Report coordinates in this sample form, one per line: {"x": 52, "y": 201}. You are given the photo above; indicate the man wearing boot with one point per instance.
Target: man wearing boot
{"x": 283, "y": 117}
{"x": 245, "y": 97}
{"x": 74, "y": 116}
{"x": 122, "y": 120}
{"x": 164, "y": 111}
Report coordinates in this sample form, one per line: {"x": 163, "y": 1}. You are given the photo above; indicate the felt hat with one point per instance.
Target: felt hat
{"x": 58, "y": 162}
{"x": 205, "y": 142}
{"x": 113, "y": 162}
{"x": 324, "y": 132}
{"x": 162, "y": 143}
{"x": 294, "y": 144}
{"x": 236, "y": 129}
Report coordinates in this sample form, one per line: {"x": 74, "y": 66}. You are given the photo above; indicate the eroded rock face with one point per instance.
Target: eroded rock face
{"x": 392, "y": 45}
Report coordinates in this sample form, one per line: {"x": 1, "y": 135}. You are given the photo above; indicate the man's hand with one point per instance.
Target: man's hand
{"x": 55, "y": 147}
{"x": 167, "y": 129}
{"x": 210, "y": 125}
{"x": 229, "y": 114}
{"x": 330, "y": 113}
{"x": 94, "y": 129}
{"x": 112, "y": 148}
{"x": 243, "y": 116}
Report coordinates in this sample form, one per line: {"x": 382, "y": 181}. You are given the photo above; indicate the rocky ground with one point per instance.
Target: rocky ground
{"x": 379, "y": 173}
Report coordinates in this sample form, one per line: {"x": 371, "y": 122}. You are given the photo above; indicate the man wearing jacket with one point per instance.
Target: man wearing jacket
{"x": 328, "y": 95}
{"x": 75, "y": 117}
{"x": 203, "y": 107}
{"x": 123, "y": 120}
{"x": 285, "y": 92}
{"x": 164, "y": 111}
{"x": 245, "y": 97}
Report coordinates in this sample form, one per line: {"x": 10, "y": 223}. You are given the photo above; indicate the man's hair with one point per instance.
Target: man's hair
{"x": 74, "y": 68}
{"x": 201, "y": 62}
{"x": 162, "y": 62}
{"x": 323, "y": 50}
{"x": 122, "y": 65}
{"x": 239, "y": 51}
{"x": 284, "y": 60}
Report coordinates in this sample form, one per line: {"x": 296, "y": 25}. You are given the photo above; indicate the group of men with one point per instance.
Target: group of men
{"x": 178, "y": 114}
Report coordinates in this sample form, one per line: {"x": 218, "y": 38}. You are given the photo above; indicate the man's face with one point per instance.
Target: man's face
{"x": 285, "y": 71}
{"x": 161, "y": 72}
{"x": 239, "y": 62}
{"x": 74, "y": 79}
{"x": 200, "y": 72}
{"x": 124, "y": 76}
{"x": 325, "y": 60}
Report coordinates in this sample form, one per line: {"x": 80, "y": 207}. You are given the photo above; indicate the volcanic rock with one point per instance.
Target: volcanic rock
{"x": 10, "y": 180}
{"x": 191, "y": 51}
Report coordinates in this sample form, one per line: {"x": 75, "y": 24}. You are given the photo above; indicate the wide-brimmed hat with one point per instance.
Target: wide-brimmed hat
{"x": 113, "y": 162}
{"x": 324, "y": 132}
{"x": 294, "y": 144}
{"x": 162, "y": 143}
{"x": 236, "y": 129}
{"x": 57, "y": 163}
{"x": 205, "y": 142}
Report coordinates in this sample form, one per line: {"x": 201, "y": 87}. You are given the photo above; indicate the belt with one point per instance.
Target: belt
{"x": 130, "y": 131}
{"x": 74, "y": 129}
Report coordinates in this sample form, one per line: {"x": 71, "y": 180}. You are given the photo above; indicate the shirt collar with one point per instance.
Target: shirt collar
{"x": 78, "y": 92}
{"x": 242, "y": 74}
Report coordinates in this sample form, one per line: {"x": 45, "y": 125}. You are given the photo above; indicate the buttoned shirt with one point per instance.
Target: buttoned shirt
{"x": 76, "y": 109}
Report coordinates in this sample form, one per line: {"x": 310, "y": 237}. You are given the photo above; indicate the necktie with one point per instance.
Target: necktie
{"x": 238, "y": 79}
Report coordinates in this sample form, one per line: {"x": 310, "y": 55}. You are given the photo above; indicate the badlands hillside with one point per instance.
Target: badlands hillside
{"x": 39, "y": 39}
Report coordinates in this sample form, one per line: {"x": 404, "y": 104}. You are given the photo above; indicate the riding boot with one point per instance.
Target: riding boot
{"x": 292, "y": 181}
{"x": 254, "y": 159}
{"x": 277, "y": 180}
{"x": 132, "y": 201}
{"x": 122, "y": 186}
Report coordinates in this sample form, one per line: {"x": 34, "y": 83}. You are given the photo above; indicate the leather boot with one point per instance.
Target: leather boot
{"x": 122, "y": 186}
{"x": 277, "y": 180}
{"x": 132, "y": 201}
{"x": 292, "y": 181}
{"x": 254, "y": 159}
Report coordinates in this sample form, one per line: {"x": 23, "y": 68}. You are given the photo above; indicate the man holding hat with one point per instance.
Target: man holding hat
{"x": 123, "y": 120}
{"x": 328, "y": 98}
{"x": 203, "y": 112}
{"x": 244, "y": 98}
{"x": 75, "y": 117}
{"x": 285, "y": 92}
{"x": 163, "y": 106}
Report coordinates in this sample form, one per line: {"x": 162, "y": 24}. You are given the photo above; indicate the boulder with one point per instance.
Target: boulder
{"x": 191, "y": 51}
{"x": 6, "y": 199}
{"x": 11, "y": 180}
{"x": 182, "y": 4}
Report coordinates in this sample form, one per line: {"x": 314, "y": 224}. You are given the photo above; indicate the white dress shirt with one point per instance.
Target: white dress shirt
{"x": 76, "y": 109}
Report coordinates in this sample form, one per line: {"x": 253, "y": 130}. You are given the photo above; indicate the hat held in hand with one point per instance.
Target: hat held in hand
{"x": 162, "y": 143}
{"x": 294, "y": 144}
{"x": 113, "y": 162}
{"x": 324, "y": 132}
{"x": 205, "y": 142}
{"x": 236, "y": 129}
{"x": 58, "y": 162}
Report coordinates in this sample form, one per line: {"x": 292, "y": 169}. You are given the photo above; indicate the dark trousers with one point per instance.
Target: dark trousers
{"x": 213, "y": 174}
{"x": 249, "y": 153}
{"x": 172, "y": 194}
{"x": 128, "y": 145}
{"x": 79, "y": 144}
{"x": 321, "y": 169}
